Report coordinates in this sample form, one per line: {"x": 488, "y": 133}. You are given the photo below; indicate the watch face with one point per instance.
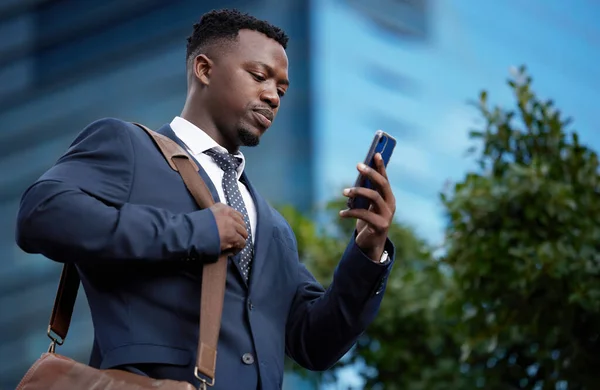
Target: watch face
{"x": 384, "y": 257}
{"x": 405, "y": 18}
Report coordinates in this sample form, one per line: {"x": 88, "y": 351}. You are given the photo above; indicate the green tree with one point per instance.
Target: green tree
{"x": 523, "y": 239}
{"x": 514, "y": 301}
{"x": 408, "y": 336}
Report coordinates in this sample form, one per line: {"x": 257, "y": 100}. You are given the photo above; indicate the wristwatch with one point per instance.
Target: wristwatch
{"x": 384, "y": 258}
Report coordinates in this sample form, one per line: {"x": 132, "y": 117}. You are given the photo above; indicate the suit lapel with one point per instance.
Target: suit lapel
{"x": 168, "y": 132}
{"x": 263, "y": 235}
{"x": 264, "y": 224}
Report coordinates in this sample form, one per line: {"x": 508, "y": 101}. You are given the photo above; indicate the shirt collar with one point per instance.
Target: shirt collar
{"x": 198, "y": 142}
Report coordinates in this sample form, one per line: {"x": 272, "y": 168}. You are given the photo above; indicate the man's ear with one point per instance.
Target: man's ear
{"x": 202, "y": 69}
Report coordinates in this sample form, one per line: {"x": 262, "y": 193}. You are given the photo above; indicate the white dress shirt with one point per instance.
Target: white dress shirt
{"x": 197, "y": 142}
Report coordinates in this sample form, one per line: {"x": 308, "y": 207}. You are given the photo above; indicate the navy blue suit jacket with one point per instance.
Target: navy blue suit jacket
{"x": 112, "y": 205}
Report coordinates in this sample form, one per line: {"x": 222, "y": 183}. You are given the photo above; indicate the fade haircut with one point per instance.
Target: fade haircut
{"x": 222, "y": 25}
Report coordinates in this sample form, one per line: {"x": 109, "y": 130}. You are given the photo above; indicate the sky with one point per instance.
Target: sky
{"x": 365, "y": 80}
{"x": 472, "y": 46}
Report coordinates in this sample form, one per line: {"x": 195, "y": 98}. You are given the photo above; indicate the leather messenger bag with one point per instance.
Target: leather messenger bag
{"x": 55, "y": 372}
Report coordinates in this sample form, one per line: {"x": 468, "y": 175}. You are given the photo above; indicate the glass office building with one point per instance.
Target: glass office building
{"x": 66, "y": 63}
{"x": 362, "y": 83}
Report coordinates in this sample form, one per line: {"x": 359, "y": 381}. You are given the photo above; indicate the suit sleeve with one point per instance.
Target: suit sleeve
{"x": 324, "y": 324}
{"x": 79, "y": 211}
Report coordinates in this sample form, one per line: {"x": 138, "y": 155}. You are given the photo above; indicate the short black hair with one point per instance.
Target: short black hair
{"x": 226, "y": 24}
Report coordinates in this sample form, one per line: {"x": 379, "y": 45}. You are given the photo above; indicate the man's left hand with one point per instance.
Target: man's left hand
{"x": 372, "y": 225}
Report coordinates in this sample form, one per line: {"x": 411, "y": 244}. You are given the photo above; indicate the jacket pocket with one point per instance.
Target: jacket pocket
{"x": 145, "y": 353}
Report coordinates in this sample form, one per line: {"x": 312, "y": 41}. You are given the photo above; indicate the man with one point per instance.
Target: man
{"x": 113, "y": 206}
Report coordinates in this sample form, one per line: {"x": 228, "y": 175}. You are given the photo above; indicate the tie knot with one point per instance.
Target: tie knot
{"x": 225, "y": 161}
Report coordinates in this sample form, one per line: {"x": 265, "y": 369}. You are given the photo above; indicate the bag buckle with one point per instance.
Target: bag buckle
{"x": 204, "y": 384}
{"x": 56, "y": 340}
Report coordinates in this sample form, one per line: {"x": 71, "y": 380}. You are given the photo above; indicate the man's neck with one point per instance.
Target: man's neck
{"x": 208, "y": 127}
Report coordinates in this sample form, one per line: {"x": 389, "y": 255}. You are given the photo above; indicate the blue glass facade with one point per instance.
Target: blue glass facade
{"x": 66, "y": 63}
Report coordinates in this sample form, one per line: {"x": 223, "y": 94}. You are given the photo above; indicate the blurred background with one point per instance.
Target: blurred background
{"x": 408, "y": 67}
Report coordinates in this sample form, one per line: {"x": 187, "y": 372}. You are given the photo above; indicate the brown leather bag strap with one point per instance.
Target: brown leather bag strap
{"x": 66, "y": 294}
{"x": 213, "y": 275}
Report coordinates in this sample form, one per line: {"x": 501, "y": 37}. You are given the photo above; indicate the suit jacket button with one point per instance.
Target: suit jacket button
{"x": 247, "y": 358}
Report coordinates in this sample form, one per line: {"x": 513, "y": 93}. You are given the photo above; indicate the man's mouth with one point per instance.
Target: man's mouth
{"x": 264, "y": 117}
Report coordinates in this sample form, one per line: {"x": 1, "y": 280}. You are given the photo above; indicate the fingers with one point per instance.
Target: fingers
{"x": 241, "y": 243}
{"x": 240, "y": 225}
{"x": 383, "y": 203}
{"x": 238, "y": 240}
{"x": 376, "y": 221}
{"x": 223, "y": 209}
{"x": 377, "y": 216}
{"x": 241, "y": 230}
{"x": 380, "y": 166}
{"x": 241, "y": 234}
{"x": 375, "y": 197}
{"x": 378, "y": 177}
{"x": 232, "y": 228}
{"x": 238, "y": 217}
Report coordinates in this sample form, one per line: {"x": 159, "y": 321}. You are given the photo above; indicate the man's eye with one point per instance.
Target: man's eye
{"x": 259, "y": 77}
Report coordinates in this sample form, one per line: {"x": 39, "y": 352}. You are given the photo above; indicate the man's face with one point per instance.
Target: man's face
{"x": 246, "y": 87}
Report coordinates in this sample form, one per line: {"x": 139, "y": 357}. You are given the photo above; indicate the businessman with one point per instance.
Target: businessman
{"x": 113, "y": 206}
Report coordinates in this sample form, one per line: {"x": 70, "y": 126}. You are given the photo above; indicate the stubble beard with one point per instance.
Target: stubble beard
{"x": 247, "y": 137}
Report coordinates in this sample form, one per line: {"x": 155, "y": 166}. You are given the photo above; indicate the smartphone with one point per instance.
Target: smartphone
{"x": 383, "y": 144}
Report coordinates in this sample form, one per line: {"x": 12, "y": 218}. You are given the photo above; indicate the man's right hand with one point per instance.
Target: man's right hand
{"x": 231, "y": 227}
